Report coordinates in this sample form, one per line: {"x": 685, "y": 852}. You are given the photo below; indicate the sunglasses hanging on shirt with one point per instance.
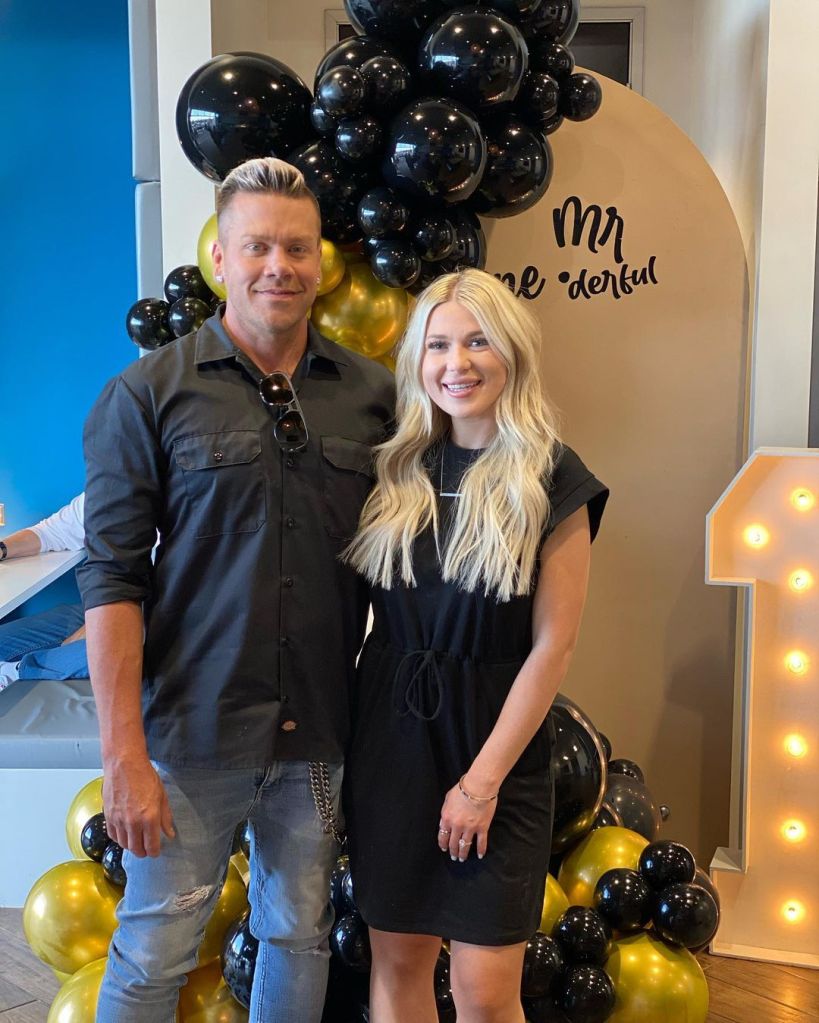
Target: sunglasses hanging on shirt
{"x": 278, "y": 394}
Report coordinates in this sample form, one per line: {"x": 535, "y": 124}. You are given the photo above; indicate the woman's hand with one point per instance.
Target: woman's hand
{"x": 464, "y": 825}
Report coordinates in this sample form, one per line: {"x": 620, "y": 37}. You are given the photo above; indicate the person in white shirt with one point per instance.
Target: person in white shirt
{"x": 49, "y": 645}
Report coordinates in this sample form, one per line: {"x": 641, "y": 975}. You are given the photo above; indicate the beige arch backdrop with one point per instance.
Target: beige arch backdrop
{"x": 634, "y": 265}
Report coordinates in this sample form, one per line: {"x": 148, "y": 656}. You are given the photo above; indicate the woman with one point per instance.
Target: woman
{"x": 475, "y": 540}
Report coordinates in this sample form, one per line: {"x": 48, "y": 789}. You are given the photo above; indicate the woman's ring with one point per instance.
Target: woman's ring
{"x": 463, "y": 841}
{"x": 444, "y": 831}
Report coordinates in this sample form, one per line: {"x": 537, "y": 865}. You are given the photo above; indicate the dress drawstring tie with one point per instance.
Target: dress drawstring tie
{"x": 418, "y": 688}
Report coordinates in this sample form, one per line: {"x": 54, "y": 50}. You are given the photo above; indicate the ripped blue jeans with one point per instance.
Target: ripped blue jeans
{"x": 168, "y": 899}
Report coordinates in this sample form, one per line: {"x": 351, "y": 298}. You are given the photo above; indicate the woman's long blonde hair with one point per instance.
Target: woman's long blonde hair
{"x": 497, "y": 525}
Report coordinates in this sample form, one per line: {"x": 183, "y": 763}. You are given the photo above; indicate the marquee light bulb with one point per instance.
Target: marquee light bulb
{"x": 800, "y": 580}
{"x": 756, "y": 535}
{"x": 795, "y": 745}
{"x": 797, "y": 662}
{"x": 793, "y": 831}
{"x": 793, "y": 911}
{"x": 802, "y": 499}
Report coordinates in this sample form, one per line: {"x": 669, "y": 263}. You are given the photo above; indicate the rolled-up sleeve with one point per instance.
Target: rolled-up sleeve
{"x": 124, "y": 466}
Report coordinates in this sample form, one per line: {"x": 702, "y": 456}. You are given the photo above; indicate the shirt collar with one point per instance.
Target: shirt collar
{"x": 213, "y": 343}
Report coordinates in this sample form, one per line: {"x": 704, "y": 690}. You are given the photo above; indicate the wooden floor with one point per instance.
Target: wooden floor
{"x": 741, "y": 991}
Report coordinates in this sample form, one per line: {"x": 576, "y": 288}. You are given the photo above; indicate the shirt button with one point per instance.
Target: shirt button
{"x": 289, "y": 726}
{"x": 291, "y": 462}
{"x": 288, "y": 581}
{"x": 218, "y": 456}
{"x": 291, "y": 522}
{"x": 284, "y": 641}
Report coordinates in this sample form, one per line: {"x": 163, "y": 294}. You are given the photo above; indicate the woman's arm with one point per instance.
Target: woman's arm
{"x": 556, "y": 613}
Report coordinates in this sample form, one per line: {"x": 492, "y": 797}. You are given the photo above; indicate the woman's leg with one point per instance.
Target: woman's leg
{"x": 486, "y": 982}
{"x": 401, "y": 981}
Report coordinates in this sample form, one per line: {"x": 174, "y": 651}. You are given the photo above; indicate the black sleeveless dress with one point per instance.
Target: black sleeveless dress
{"x": 432, "y": 679}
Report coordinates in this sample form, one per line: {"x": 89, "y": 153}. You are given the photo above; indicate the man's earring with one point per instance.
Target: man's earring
{"x": 219, "y": 278}
{"x": 318, "y": 279}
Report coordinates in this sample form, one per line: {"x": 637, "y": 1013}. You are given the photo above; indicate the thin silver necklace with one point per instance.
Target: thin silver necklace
{"x": 441, "y": 491}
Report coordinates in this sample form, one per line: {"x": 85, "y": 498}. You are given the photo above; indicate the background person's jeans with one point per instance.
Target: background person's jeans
{"x": 30, "y": 646}
{"x": 168, "y": 899}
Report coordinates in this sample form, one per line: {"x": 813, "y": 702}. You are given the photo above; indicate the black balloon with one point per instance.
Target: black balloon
{"x": 543, "y": 1010}
{"x": 443, "y": 986}
{"x": 187, "y": 315}
{"x": 241, "y": 839}
{"x": 341, "y": 92}
{"x": 186, "y": 282}
{"x": 514, "y": 9}
{"x": 542, "y": 963}
{"x": 470, "y": 242}
{"x": 395, "y": 263}
{"x": 436, "y": 150}
{"x": 433, "y": 235}
{"x": 553, "y": 58}
{"x": 624, "y": 899}
{"x": 606, "y": 745}
{"x": 704, "y": 881}
{"x": 665, "y": 812}
{"x": 607, "y": 818}
{"x": 147, "y": 323}
{"x": 686, "y": 914}
{"x": 429, "y": 273}
{"x": 239, "y": 106}
{"x": 350, "y": 943}
{"x": 336, "y": 184}
{"x": 338, "y": 894}
{"x": 239, "y": 959}
{"x": 551, "y": 19}
{"x": 388, "y": 82}
{"x": 353, "y": 51}
{"x": 664, "y": 863}
{"x": 583, "y": 936}
{"x": 360, "y": 139}
{"x": 553, "y": 124}
{"x": 635, "y": 805}
{"x": 382, "y": 212}
{"x": 475, "y": 56}
{"x": 347, "y": 888}
{"x": 587, "y": 995}
{"x": 401, "y": 21}
{"x": 580, "y": 97}
{"x": 112, "y": 864}
{"x": 538, "y": 99}
{"x": 323, "y": 122}
{"x": 627, "y": 767}
{"x": 518, "y": 170}
{"x": 94, "y": 837}
{"x": 579, "y": 770}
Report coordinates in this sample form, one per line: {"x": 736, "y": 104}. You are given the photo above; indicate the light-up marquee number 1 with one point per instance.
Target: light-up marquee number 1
{"x": 764, "y": 533}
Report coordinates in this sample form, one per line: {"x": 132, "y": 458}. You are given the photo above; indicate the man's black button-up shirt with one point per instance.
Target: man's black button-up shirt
{"x": 252, "y": 623}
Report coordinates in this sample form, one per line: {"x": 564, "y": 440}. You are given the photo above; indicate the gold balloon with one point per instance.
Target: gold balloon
{"x": 387, "y": 360}
{"x": 70, "y": 915}
{"x": 204, "y": 256}
{"x": 555, "y": 904}
{"x": 333, "y": 266}
{"x": 86, "y": 803}
{"x": 599, "y": 851}
{"x": 655, "y": 982}
{"x": 76, "y": 1001}
{"x": 206, "y": 998}
{"x": 230, "y": 905}
{"x": 362, "y": 313}
{"x": 62, "y": 977}
{"x": 239, "y": 861}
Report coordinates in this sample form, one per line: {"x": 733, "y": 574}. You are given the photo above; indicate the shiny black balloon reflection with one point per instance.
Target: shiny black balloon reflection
{"x": 395, "y": 263}
{"x": 580, "y": 97}
{"x": 627, "y": 767}
{"x": 429, "y": 273}
{"x": 635, "y": 805}
{"x": 341, "y": 91}
{"x": 475, "y": 56}
{"x": 241, "y": 839}
{"x": 433, "y": 235}
{"x": 470, "y": 242}
{"x": 435, "y": 150}
{"x": 186, "y": 282}
{"x": 321, "y": 121}
{"x": 360, "y": 139}
{"x": 607, "y": 818}
{"x": 147, "y": 323}
{"x": 518, "y": 170}
{"x": 543, "y": 1010}
{"x": 336, "y": 184}
{"x": 338, "y": 894}
{"x": 663, "y": 863}
{"x": 112, "y": 864}
{"x": 552, "y": 58}
{"x": 401, "y": 21}
{"x": 686, "y": 914}
{"x": 382, "y": 212}
{"x": 350, "y": 943}
{"x": 388, "y": 82}
{"x": 187, "y": 315}
{"x": 579, "y": 772}
{"x": 94, "y": 837}
{"x": 607, "y": 747}
{"x": 551, "y": 19}
{"x": 443, "y": 986}
{"x": 353, "y": 52}
{"x": 582, "y": 935}
{"x": 239, "y": 959}
{"x": 587, "y": 994}
{"x": 239, "y": 106}
{"x": 542, "y": 963}
{"x": 538, "y": 99}
{"x": 552, "y": 125}
{"x": 624, "y": 899}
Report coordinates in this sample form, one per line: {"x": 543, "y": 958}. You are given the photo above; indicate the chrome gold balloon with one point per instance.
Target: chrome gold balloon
{"x": 387, "y": 360}
{"x": 62, "y": 977}
{"x": 69, "y": 915}
{"x": 333, "y": 266}
{"x": 599, "y": 851}
{"x": 230, "y": 905}
{"x": 362, "y": 313}
{"x": 655, "y": 982}
{"x": 76, "y": 1001}
{"x": 86, "y": 803}
{"x": 239, "y": 861}
{"x": 206, "y": 998}
{"x": 204, "y": 256}
{"x": 555, "y": 904}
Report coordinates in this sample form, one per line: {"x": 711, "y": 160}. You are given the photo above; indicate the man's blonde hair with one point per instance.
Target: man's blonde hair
{"x": 266, "y": 175}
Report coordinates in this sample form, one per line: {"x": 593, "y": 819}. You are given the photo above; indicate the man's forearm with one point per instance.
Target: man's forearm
{"x": 115, "y": 639}
{"x": 22, "y": 544}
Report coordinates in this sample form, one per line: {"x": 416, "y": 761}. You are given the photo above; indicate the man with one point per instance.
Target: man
{"x": 239, "y": 708}
{"x": 51, "y": 644}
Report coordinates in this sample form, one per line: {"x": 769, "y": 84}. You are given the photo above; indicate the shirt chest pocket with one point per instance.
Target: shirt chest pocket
{"x": 348, "y": 478}
{"x": 224, "y": 482}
